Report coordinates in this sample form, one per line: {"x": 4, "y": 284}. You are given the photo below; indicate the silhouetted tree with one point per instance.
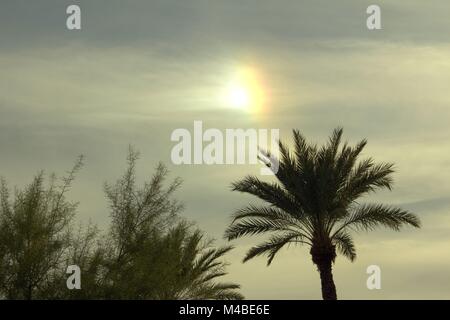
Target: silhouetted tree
{"x": 34, "y": 235}
{"x": 149, "y": 251}
{"x": 315, "y": 202}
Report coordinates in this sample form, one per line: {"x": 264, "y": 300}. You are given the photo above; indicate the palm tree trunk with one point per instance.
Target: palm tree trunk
{"x": 326, "y": 279}
{"x": 323, "y": 257}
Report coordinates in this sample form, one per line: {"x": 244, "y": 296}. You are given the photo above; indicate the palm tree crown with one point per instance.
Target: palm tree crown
{"x": 314, "y": 202}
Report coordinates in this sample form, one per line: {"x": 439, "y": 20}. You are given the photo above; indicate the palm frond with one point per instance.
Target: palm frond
{"x": 269, "y": 192}
{"x": 368, "y": 217}
{"x": 298, "y": 220}
{"x": 253, "y": 226}
{"x": 273, "y": 245}
{"x": 367, "y": 177}
{"x": 345, "y": 245}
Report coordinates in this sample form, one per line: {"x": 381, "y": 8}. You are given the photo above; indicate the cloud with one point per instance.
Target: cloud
{"x": 135, "y": 73}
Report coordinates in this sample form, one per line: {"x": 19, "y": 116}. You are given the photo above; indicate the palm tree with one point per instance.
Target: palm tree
{"x": 186, "y": 266}
{"x": 315, "y": 203}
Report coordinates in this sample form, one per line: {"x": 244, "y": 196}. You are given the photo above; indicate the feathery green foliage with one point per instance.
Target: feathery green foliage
{"x": 34, "y": 235}
{"x": 149, "y": 251}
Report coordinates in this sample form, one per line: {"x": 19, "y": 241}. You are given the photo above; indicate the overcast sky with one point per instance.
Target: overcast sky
{"x": 140, "y": 69}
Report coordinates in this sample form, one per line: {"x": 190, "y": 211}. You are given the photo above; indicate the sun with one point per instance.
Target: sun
{"x": 238, "y": 96}
{"x": 244, "y": 91}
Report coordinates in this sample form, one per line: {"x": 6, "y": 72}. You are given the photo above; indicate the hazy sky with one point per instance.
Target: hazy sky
{"x": 140, "y": 69}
